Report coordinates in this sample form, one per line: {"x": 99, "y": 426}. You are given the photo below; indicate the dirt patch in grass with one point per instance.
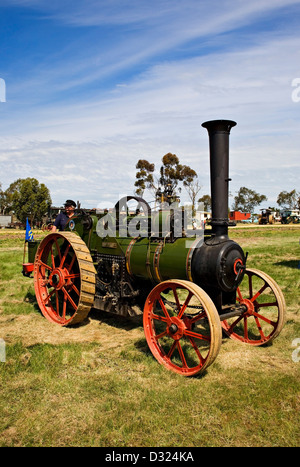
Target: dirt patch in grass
{"x": 35, "y": 329}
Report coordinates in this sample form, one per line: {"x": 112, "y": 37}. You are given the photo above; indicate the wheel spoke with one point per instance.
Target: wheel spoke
{"x": 259, "y": 328}
{"x": 196, "y": 335}
{"x": 264, "y": 318}
{"x": 196, "y": 349}
{"x": 72, "y": 276}
{"x": 163, "y": 308}
{"x": 185, "y": 304}
{"x": 47, "y": 299}
{"x": 64, "y": 308}
{"x": 41, "y": 263}
{"x": 52, "y": 257}
{"x": 75, "y": 289}
{"x": 173, "y": 347}
{"x": 57, "y": 247}
{"x": 176, "y": 299}
{"x": 181, "y": 354}
{"x": 261, "y": 305}
{"x": 201, "y": 315}
{"x": 259, "y": 292}
{"x": 72, "y": 263}
{"x": 240, "y": 297}
{"x": 57, "y": 302}
{"x": 246, "y": 328}
{"x": 235, "y": 323}
{"x": 62, "y": 261}
{"x": 69, "y": 298}
{"x": 162, "y": 334}
{"x": 159, "y": 318}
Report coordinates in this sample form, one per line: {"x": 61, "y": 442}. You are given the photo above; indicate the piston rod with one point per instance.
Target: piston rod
{"x": 237, "y": 312}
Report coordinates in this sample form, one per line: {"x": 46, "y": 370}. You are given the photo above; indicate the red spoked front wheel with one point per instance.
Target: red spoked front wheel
{"x": 182, "y": 327}
{"x": 64, "y": 278}
{"x": 265, "y": 310}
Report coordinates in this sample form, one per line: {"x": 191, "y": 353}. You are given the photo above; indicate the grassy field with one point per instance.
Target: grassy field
{"x": 97, "y": 384}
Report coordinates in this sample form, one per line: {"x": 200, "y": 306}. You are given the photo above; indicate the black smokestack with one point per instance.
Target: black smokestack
{"x": 219, "y": 131}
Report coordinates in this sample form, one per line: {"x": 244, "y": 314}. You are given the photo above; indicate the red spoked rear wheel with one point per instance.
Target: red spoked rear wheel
{"x": 64, "y": 278}
{"x": 265, "y": 310}
{"x": 182, "y": 327}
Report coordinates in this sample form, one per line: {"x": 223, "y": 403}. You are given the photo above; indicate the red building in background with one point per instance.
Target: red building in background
{"x": 239, "y": 216}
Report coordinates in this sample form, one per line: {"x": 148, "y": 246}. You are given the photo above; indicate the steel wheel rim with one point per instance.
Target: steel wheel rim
{"x": 265, "y": 310}
{"x": 58, "y": 279}
{"x": 183, "y": 339}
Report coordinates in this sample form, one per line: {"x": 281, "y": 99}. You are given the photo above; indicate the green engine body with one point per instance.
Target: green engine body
{"x": 128, "y": 267}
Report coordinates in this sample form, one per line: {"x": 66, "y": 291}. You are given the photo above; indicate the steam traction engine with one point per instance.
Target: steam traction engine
{"x": 189, "y": 290}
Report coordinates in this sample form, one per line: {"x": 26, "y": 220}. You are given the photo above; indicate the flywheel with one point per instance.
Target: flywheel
{"x": 64, "y": 278}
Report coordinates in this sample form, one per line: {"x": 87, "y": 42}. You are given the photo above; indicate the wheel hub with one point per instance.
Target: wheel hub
{"x": 58, "y": 278}
{"x": 176, "y": 328}
{"x": 248, "y": 305}
{"x": 55, "y": 279}
{"x": 173, "y": 328}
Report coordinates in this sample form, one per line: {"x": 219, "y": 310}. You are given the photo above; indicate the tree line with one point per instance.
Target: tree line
{"x": 164, "y": 186}
{"x": 29, "y": 198}
{"x": 26, "y": 198}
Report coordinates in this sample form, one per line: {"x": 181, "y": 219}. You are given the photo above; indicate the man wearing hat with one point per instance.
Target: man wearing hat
{"x": 64, "y": 216}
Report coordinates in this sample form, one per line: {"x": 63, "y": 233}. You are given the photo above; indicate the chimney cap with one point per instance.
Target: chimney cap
{"x": 223, "y": 126}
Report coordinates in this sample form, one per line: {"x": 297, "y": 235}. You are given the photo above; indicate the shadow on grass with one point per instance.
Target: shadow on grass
{"x": 142, "y": 346}
{"x": 114, "y": 320}
{"x": 293, "y": 263}
{"x": 31, "y": 298}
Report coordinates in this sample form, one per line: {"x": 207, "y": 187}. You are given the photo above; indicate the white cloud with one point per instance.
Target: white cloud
{"x": 217, "y": 15}
{"x": 87, "y": 147}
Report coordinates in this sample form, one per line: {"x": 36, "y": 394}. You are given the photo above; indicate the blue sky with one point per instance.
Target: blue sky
{"x": 93, "y": 86}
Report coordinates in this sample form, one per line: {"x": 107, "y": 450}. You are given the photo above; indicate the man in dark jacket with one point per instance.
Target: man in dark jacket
{"x": 64, "y": 216}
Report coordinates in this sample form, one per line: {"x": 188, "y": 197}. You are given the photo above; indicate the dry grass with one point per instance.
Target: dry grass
{"x": 97, "y": 384}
